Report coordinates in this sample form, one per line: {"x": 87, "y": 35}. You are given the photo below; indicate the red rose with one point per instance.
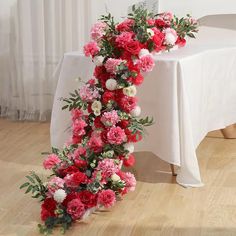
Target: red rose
{"x": 47, "y": 208}
{"x": 133, "y": 47}
{"x": 158, "y": 40}
{"x": 132, "y": 67}
{"x": 126, "y": 56}
{"x": 68, "y": 171}
{"x": 107, "y": 96}
{"x": 101, "y": 74}
{"x": 123, "y": 124}
{"x": 138, "y": 80}
{"x": 88, "y": 199}
{"x": 104, "y": 135}
{"x": 69, "y": 198}
{"x": 75, "y": 179}
{"x": 160, "y": 23}
{"x": 181, "y": 42}
{"x": 133, "y": 138}
{"x": 130, "y": 161}
{"x": 127, "y": 103}
{"x": 80, "y": 163}
{"x": 125, "y": 25}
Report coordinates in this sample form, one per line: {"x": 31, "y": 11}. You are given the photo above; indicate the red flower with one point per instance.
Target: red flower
{"x": 97, "y": 122}
{"x": 181, "y": 42}
{"x": 68, "y": 171}
{"x": 80, "y": 163}
{"x": 133, "y": 47}
{"x": 107, "y": 96}
{"x": 138, "y": 80}
{"x": 125, "y": 25}
{"x": 160, "y": 23}
{"x": 130, "y": 161}
{"x": 127, "y": 103}
{"x": 47, "y": 208}
{"x": 70, "y": 197}
{"x": 101, "y": 74}
{"x": 76, "y": 139}
{"x": 158, "y": 39}
{"x": 123, "y": 124}
{"x": 75, "y": 179}
{"x": 106, "y": 198}
{"x": 88, "y": 199}
{"x": 75, "y": 208}
{"x": 133, "y": 138}
{"x": 104, "y": 135}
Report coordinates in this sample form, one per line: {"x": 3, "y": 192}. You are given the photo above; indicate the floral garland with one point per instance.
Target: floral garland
{"x": 87, "y": 173}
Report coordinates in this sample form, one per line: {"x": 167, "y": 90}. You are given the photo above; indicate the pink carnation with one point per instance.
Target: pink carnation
{"x": 116, "y": 135}
{"x": 112, "y": 64}
{"x": 107, "y": 198}
{"x": 78, "y": 127}
{"x": 108, "y": 168}
{"x": 130, "y": 181}
{"x": 110, "y": 118}
{"x": 124, "y": 38}
{"x": 127, "y": 103}
{"x": 95, "y": 142}
{"x": 54, "y": 184}
{"x": 98, "y": 30}
{"x": 75, "y": 208}
{"x": 80, "y": 151}
{"x": 51, "y": 161}
{"x": 91, "y": 49}
{"x": 146, "y": 63}
{"x": 167, "y": 16}
{"x": 88, "y": 94}
{"x": 76, "y": 114}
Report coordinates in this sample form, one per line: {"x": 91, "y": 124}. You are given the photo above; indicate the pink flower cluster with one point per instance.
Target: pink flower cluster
{"x": 116, "y": 135}
{"x": 112, "y": 65}
{"x": 98, "y": 30}
{"x": 146, "y": 63}
{"x": 88, "y": 93}
{"x": 110, "y": 118}
{"x": 108, "y": 168}
{"x": 51, "y": 161}
{"x": 91, "y": 49}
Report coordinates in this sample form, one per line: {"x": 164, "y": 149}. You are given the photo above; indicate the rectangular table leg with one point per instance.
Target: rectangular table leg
{"x": 172, "y": 167}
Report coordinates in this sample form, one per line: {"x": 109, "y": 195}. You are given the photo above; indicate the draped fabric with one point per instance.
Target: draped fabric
{"x": 34, "y": 36}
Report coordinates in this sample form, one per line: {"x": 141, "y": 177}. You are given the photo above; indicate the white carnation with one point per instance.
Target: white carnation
{"x": 129, "y": 147}
{"x": 136, "y": 111}
{"x": 143, "y": 52}
{"x": 98, "y": 60}
{"x": 111, "y": 84}
{"x": 115, "y": 177}
{"x": 130, "y": 91}
{"x": 59, "y": 195}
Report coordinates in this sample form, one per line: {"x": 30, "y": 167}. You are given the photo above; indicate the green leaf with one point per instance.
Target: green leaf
{"x": 24, "y": 185}
{"x": 30, "y": 179}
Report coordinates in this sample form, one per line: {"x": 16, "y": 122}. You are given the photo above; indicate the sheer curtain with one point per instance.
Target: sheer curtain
{"x": 34, "y": 39}
{"x": 34, "y": 35}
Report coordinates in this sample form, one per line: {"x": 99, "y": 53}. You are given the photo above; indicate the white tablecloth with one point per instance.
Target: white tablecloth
{"x": 190, "y": 92}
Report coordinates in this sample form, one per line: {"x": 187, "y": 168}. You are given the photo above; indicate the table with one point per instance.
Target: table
{"x": 190, "y": 92}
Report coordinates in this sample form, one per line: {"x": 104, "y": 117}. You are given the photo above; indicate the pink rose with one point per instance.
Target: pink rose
{"x": 146, "y": 63}
{"x": 51, "y": 161}
{"x": 75, "y": 208}
{"x": 91, "y": 49}
{"x": 116, "y": 135}
{"x": 107, "y": 198}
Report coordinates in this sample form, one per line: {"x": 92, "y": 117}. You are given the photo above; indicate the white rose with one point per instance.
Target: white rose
{"x": 98, "y": 60}
{"x": 115, "y": 177}
{"x": 96, "y": 106}
{"x": 143, "y": 52}
{"x": 129, "y": 147}
{"x": 170, "y": 36}
{"x": 111, "y": 84}
{"x": 130, "y": 91}
{"x": 150, "y": 32}
{"x": 136, "y": 111}
{"x": 59, "y": 195}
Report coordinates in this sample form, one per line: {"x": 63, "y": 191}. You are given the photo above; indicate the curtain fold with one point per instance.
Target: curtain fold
{"x": 36, "y": 36}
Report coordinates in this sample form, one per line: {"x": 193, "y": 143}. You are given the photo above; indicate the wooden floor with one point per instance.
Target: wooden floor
{"x": 158, "y": 206}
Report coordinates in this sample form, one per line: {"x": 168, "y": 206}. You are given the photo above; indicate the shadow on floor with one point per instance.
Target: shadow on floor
{"x": 150, "y": 168}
